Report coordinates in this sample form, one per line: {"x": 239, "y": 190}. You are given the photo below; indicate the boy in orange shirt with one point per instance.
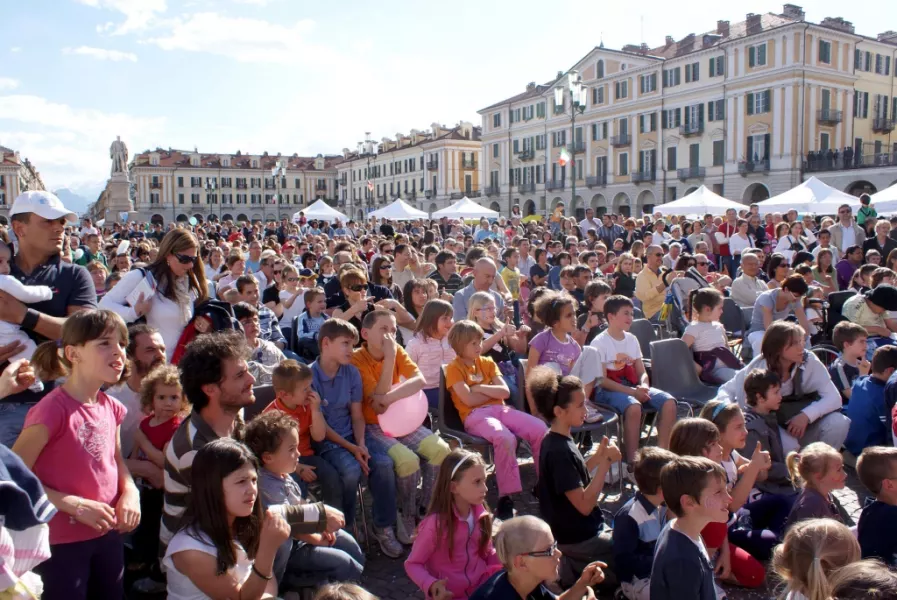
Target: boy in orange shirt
{"x": 294, "y": 395}
{"x": 383, "y": 364}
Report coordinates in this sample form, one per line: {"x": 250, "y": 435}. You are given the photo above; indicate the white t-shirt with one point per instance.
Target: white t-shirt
{"x": 707, "y": 336}
{"x": 848, "y": 237}
{"x": 131, "y": 400}
{"x": 293, "y": 311}
{"x": 613, "y": 354}
{"x": 179, "y": 585}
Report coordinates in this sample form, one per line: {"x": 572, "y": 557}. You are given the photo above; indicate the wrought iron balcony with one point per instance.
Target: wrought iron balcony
{"x": 760, "y": 166}
{"x": 241, "y": 186}
{"x": 473, "y": 194}
{"x": 456, "y": 195}
{"x": 432, "y": 165}
{"x": 624, "y": 139}
{"x": 526, "y": 155}
{"x": 579, "y": 146}
{"x": 690, "y": 129}
{"x": 554, "y": 185}
{"x": 597, "y": 180}
{"x": 321, "y": 187}
{"x": 343, "y": 180}
{"x": 880, "y": 125}
{"x": 528, "y": 188}
{"x": 430, "y": 194}
{"x": 156, "y": 185}
{"x": 468, "y": 163}
{"x": 828, "y": 115}
{"x": 493, "y": 190}
{"x": 691, "y": 173}
{"x": 640, "y": 176}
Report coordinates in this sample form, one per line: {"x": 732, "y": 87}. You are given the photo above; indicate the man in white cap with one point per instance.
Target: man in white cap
{"x": 38, "y": 220}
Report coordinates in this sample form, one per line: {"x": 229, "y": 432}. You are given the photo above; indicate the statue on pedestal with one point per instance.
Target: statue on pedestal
{"x": 118, "y": 152}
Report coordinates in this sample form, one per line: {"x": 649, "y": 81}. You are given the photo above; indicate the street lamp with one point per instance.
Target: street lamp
{"x": 279, "y": 171}
{"x": 577, "y": 105}
{"x": 211, "y": 186}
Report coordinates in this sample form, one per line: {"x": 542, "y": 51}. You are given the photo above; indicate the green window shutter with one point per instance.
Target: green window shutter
{"x": 749, "y": 149}
{"x": 653, "y": 121}
{"x": 752, "y": 56}
{"x": 766, "y": 144}
{"x": 687, "y": 119}
{"x": 750, "y": 104}
{"x": 696, "y": 72}
{"x": 663, "y": 120}
{"x": 711, "y": 69}
{"x": 768, "y": 100}
{"x": 700, "y": 113}
{"x": 865, "y": 105}
{"x": 710, "y": 111}
{"x": 678, "y": 117}
{"x": 604, "y": 127}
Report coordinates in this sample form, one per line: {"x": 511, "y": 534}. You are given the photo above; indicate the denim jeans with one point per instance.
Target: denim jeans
{"x": 12, "y": 418}
{"x": 343, "y": 561}
{"x": 328, "y": 479}
{"x": 382, "y": 481}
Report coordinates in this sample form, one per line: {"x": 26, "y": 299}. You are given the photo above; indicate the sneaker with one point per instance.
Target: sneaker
{"x": 389, "y": 545}
{"x": 629, "y": 473}
{"x": 593, "y": 415}
{"x": 505, "y": 508}
{"x": 405, "y": 529}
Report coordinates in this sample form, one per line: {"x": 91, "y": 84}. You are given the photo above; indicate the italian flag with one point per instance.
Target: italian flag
{"x": 564, "y": 158}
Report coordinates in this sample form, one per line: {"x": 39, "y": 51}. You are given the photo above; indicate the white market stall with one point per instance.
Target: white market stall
{"x": 700, "y": 202}
{"x": 465, "y": 208}
{"x": 321, "y": 211}
{"x": 885, "y": 201}
{"x": 812, "y": 197}
{"x": 399, "y": 211}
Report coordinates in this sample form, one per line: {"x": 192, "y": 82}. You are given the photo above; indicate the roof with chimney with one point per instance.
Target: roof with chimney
{"x": 455, "y": 133}
{"x": 182, "y": 159}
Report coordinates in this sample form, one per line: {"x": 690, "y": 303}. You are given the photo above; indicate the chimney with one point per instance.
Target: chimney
{"x": 793, "y": 11}
{"x": 838, "y": 23}
{"x": 669, "y": 41}
{"x": 754, "y": 24}
{"x": 722, "y": 28}
{"x": 631, "y": 48}
{"x": 530, "y": 86}
{"x": 887, "y": 36}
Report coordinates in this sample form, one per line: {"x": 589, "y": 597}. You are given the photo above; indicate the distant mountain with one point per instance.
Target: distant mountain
{"x": 74, "y": 202}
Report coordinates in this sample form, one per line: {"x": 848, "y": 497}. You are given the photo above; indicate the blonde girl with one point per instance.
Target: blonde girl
{"x": 624, "y": 279}
{"x": 429, "y": 348}
{"x": 292, "y": 295}
{"x": 812, "y": 551}
{"x": 453, "y": 553}
{"x": 819, "y": 469}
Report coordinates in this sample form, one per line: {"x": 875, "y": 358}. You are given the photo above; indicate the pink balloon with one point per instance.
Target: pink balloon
{"x": 404, "y": 416}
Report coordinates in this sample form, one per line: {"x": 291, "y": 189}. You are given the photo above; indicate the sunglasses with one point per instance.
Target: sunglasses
{"x": 292, "y": 279}
{"x": 184, "y": 259}
{"x": 544, "y": 553}
{"x": 358, "y": 288}
{"x": 385, "y": 267}
{"x": 276, "y": 272}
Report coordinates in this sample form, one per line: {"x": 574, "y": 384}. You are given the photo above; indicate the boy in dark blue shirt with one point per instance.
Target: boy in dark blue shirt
{"x": 868, "y": 413}
{"x": 695, "y": 491}
{"x": 850, "y": 340}
{"x": 639, "y": 522}
{"x": 877, "y": 529}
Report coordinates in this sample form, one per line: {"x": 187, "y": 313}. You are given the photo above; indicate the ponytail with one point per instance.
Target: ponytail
{"x": 818, "y": 587}
{"x": 48, "y": 362}
{"x": 792, "y": 462}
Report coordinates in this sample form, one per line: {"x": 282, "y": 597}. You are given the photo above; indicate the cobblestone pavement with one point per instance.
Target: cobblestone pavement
{"x": 386, "y": 577}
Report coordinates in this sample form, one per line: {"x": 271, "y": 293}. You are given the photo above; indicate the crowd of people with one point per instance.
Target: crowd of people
{"x": 194, "y": 410}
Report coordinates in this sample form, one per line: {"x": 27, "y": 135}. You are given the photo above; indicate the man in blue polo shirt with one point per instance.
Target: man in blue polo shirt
{"x": 38, "y": 222}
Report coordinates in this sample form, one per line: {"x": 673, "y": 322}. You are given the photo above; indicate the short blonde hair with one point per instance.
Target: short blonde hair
{"x": 462, "y": 333}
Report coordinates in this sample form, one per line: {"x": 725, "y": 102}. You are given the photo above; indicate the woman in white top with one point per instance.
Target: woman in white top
{"x": 213, "y": 266}
{"x": 793, "y": 242}
{"x": 741, "y": 240}
{"x": 225, "y": 553}
{"x": 165, "y": 291}
{"x": 291, "y": 296}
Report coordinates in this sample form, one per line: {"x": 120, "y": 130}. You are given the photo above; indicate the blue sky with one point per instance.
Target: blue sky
{"x": 294, "y": 75}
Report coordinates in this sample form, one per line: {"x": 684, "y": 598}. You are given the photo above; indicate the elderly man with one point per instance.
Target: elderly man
{"x": 483, "y": 276}
{"x": 649, "y": 287}
{"x": 846, "y": 233}
{"x": 748, "y": 286}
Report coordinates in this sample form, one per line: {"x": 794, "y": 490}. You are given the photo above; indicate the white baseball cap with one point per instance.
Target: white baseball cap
{"x": 41, "y": 203}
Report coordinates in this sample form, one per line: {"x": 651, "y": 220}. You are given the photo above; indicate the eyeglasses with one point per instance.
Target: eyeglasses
{"x": 702, "y": 263}
{"x": 184, "y": 259}
{"x": 385, "y": 267}
{"x": 657, "y": 254}
{"x": 544, "y": 553}
{"x": 358, "y": 288}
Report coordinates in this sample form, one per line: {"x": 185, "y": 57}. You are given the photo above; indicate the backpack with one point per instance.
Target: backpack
{"x": 221, "y": 315}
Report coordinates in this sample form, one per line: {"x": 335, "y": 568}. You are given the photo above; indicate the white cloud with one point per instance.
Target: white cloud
{"x": 139, "y": 14}
{"x": 15, "y": 49}
{"x": 255, "y": 2}
{"x": 101, "y": 53}
{"x": 244, "y": 39}
{"x": 8, "y": 83}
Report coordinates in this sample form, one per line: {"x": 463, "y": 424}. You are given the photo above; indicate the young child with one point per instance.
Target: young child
{"x": 819, "y": 468}
{"x": 478, "y": 393}
{"x": 850, "y": 340}
{"x": 383, "y": 365}
{"x": 70, "y": 441}
{"x": 864, "y": 580}
{"x": 319, "y": 547}
{"x": 343, "y": 591}
{"x": 694, "y": 489}
{"x": 453, "y": 552}
{"x": 700, "y": 437}
{"x": 638, "y": 524}
{"x": 867, "y": 214}
{"x": 763, "y": 396}
{"x": 625, "y": 386}
{"x": 294, "y": 396}
{"x": 291, "y": 295}
{"x": 870, "y": 418}
{"x": 624, "y": 279}
{"x": 811, "y": 552}
{"x": 567, "y": 492}
{"x": 706, "y": 336}
{"x": 870, "y": 309}
{"x": 877, "y": 527}
{"x": 510, "y": 274}
{"x": 812, "y": 303}
{"x": 311, "y": 320}
{"x": 429, "y": 348}
{"x": 591, "y": 320}
{"x": 500, "y": 339}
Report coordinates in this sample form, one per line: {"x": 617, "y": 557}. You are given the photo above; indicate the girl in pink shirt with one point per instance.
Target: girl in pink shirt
{"x": 429, "y": 347}
{"x": 71, "y": 441}
{"x": 453, "y": 553}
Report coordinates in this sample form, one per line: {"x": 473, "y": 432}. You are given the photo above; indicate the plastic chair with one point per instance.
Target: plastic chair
{"x": 644, "y": 331}
{"x": 674, "y": 373}
{"x": 732, "y": 318}
{"x": 836, "y": 302}
{"x": 451, "y": 426}
{"x": 294, "y": 334}
{"x": 264, "y": 395}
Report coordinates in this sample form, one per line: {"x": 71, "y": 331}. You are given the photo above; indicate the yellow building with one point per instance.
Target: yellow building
{"x": 738, "y": 109}
{"x": 429, "y": 170}
{"x": 17, "y": 175}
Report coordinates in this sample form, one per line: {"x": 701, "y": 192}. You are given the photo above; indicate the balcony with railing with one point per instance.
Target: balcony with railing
{"x": 690, "y": 129}
{"x": 410, "y": 195}
{"x": 343, "y": 180}
{"x": 554, "y": 185}
{"x": 241, "y": 186}
{"x": 559, "y": 109}
{"x": 321, "y": 187}
{"x": 156, "y": 185}
{"x": 528, "y": 188}
{"x": 829, "y": 116}
{"x": 596, "y": 181}
{"x": 759, "y": 166}
{"x": 456, "y": 195}
{"x": 642, "y": 176}
{"x": 473, "y": 194}
{"x": 469, "y": 163}
{"x": 527, "y": 155}
{"x": 624, "y": 139}
{"x": 691, "y": 173}
{"x": 430, "y": 194}
{"x": 882, "y": 125}
{"x": 493, "y": 190}
{"x": 432, "y": 165}
{"x": 579, "y": 146}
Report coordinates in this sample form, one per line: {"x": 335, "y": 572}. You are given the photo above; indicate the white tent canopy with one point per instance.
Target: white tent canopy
{"x": 465, "y": 208}
{"x": 399, "y": 211}
{"x": 812, "y": 196}
{"x": 885, "y": 201}
{"x": 321, "y": 211}
{"x": 700, "y": 202}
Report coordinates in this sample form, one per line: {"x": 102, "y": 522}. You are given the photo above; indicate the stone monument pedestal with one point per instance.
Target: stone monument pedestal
{"x": 118, "y": 198}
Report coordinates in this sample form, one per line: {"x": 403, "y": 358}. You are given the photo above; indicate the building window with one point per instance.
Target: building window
{"x": 672, "y": 77}
{"x": 692, "y": 72}
{"x": 599, "y": 131}
{"x": 540, "y": 110}
{"x": 648, "y": 83}
{"x": 623, "y": 164}
{"x": 824, "y": 141}
{"x": 758, "y": 103}
{"x": 719, "y": 152}
{"x": 672, "y": 118}
{"x": 496, "y": 120}
{"x": 194, "y": 198}
{"x": 154, "y": 198}
{"x": 882, "y": 64}
{"x": 757, "y": 55}
{"x": 647, "y": 122}
{"x": 825, "y": 52}
{"x": 860, "y": 104}
{"x": 599, "y": 69}
{"x": 598, "y": 95}
{"x": 716, "y": 110}
{"x": 180, "y": 198}
{"x": 671, "y": 158}
{"x": 495, "y": 150}
{"x": 180, "y": 182}
{"x": 716, "y": 68}
{"x": 622, "y": 90}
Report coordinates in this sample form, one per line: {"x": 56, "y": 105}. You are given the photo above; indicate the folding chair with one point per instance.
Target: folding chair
{"x": 450, "y": 425}
{"x": 674, "y": 373}
{"x": 264, "y": 395}
{"x": 644, "y": 331}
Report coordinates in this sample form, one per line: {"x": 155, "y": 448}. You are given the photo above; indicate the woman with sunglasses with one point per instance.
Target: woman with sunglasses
{"x": 381, "y": 274}
{"x": 168, "y": 289}
{"x": 529, "y": 554}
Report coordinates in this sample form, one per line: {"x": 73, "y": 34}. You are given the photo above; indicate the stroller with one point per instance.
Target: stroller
{"x": 210, "y": 316}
